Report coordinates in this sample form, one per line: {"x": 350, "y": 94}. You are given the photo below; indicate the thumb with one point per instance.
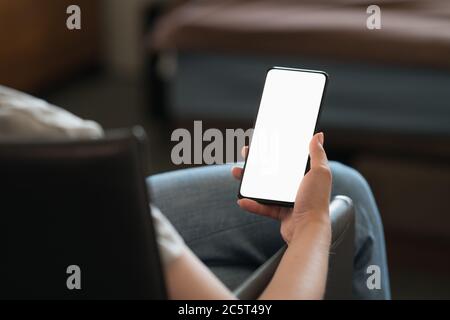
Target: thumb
{"x": 317, "y": 152}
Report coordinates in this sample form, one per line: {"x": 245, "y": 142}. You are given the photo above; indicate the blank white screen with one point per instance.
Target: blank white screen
{"x": 284, "y": 127}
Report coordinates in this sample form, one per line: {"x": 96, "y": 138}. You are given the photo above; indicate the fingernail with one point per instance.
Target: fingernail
{"x": 321, "y": 138}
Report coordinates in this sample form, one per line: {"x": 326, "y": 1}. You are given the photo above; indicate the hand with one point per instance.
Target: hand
{"x": 312, "y": 200}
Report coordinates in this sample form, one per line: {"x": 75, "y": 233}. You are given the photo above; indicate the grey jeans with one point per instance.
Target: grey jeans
{"x": 201, "y": 204}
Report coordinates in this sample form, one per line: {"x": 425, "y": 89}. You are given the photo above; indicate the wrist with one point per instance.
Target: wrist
{"x": 316, "y": 224}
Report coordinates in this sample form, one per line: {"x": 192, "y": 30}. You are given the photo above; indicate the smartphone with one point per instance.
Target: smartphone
{"x": 278, "y": 156}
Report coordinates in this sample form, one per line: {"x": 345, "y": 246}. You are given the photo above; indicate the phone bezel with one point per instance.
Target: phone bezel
{"x": 277, "y": 202}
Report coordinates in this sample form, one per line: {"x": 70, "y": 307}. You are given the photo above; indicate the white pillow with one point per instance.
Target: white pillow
{"x": 26, "y": 117}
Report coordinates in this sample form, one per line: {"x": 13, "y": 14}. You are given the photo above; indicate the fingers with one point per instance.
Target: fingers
{"x": 317, "y": 152}
{"x": 260, "y": 209}
{"x": 244, "y": 152}
{"x": 237, "y": 172}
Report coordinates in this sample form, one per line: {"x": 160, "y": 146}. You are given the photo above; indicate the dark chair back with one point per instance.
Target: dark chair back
{"x": 77, "y": 213}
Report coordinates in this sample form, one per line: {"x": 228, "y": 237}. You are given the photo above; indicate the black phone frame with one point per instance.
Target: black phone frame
{"x": 277, "y": 202}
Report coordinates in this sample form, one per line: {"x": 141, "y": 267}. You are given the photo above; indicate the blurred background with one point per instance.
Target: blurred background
{"x": 163, "y": 64}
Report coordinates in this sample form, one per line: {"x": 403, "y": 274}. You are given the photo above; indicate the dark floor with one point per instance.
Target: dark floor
{"x": 116, "y": 103}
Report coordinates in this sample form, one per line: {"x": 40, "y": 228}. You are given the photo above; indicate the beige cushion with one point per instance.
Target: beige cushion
{"x": 25, "y": 117}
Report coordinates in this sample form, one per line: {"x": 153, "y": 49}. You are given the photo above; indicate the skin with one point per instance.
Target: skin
{"x": 306, "y": 228}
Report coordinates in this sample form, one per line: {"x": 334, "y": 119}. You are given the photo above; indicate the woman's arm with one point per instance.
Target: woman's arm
{"x": 302, "y": 271}
{"x": 187, "y": 278}
{"x": 306, "y": 229}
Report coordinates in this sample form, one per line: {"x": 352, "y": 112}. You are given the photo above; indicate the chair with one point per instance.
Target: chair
{"x": 85, "y": 203}
{"x": 77, "y": 203}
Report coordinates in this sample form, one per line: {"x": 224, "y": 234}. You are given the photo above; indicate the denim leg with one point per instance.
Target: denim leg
{"x": 201, "y": 204}
{"x": 369, "y": 237}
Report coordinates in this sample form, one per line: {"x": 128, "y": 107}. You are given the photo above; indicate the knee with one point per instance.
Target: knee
{"x": 348, "y": 181}
{"x": 191, "y": 177}
{"x": 207, "y": 183}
